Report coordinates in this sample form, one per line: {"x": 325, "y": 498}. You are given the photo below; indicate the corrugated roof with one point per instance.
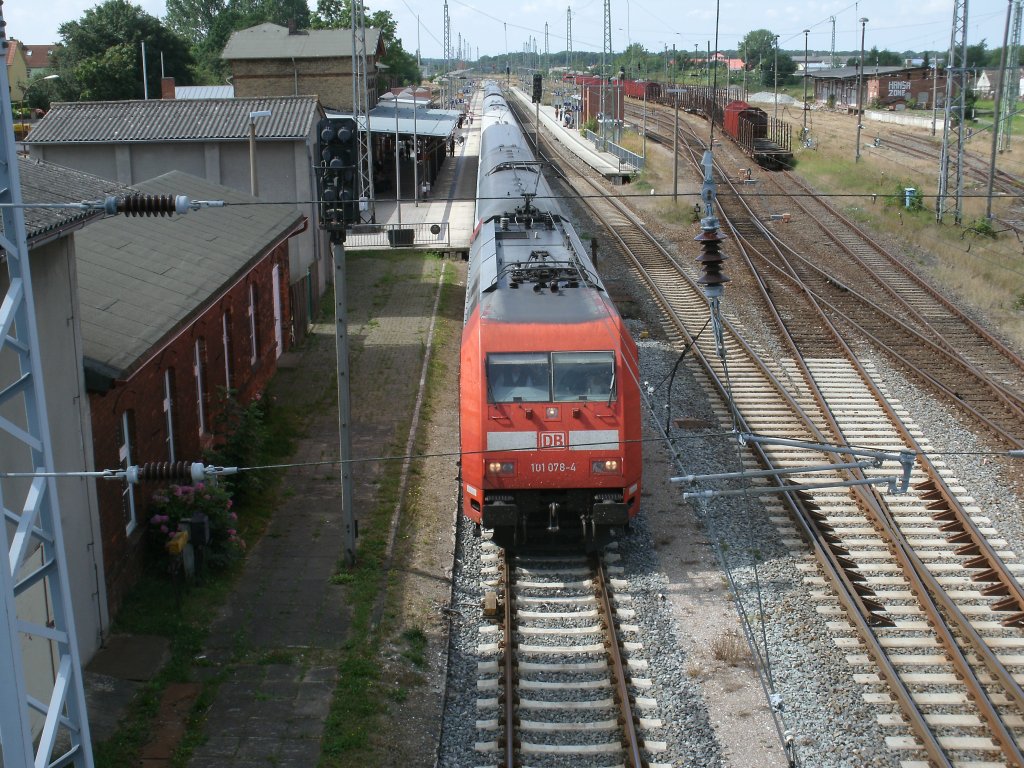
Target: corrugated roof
{"x": 293, "y": 117}
{"x": 843, "y": 73}
{"x": 204, "y": 91}
{"x": 48, "y": 183}
{"x": 272, "y": 41}
{"x": 428, "y": 122}
{"x": 140, "y": 279}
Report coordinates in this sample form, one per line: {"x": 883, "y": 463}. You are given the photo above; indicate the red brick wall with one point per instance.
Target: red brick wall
{"x": 143, "y": 395}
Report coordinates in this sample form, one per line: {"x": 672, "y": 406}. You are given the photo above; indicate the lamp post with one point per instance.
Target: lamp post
{"x": 860, "y": 83}
{"x": 254, "y": 187}
{"x": 28, "y": 88}
{"x": 806, "y": 32}
{"x": 776, "y": 74}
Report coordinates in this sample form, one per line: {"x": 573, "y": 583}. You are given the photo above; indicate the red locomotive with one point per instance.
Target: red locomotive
{"x": 549, "y": 391}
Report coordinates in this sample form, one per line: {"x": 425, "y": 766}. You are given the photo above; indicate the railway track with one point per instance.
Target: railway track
{"x": 936, "y": 652}
{"x": 861, "y": 284}
{"x": 563, "y": 672}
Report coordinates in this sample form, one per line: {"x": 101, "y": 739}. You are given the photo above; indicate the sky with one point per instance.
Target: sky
{"x": 495, "y": 28}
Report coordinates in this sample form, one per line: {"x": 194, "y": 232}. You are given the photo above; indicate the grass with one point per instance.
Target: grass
{"x": 358, "y": 710}
{"x": 964, "y": 259}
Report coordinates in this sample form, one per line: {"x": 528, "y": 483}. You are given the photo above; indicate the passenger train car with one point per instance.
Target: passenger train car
{"x": 549, "y": 394}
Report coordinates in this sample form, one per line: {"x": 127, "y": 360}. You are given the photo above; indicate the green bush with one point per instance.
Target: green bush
{"x": 244, "y": 432}
{"x": 982, "y": 227}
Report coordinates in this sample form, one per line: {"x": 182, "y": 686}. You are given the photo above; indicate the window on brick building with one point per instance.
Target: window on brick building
{"x": 126, "y": 446}
{"x": 169, "y": 413}
{"x": 199, "y": 371}
{"x": 254, "y": 340}
{"x": 225, "y": 330}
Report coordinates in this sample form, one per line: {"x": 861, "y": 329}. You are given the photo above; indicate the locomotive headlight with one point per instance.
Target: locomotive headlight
{"x": 605, "y": 467}
{"x": 501, "y": 468}
{"x": 551, "y": 412}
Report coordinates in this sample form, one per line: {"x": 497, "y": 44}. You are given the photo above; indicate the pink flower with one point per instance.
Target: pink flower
{"x": 156, "y": 519}
{"x": 232, "y": 531}
{"x": 164, "y": 529}
{"x": 233, "y": 516}
{"x": 230, "y": 503}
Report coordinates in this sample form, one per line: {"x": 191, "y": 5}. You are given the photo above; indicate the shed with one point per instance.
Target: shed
{"x": 133, "y": 141}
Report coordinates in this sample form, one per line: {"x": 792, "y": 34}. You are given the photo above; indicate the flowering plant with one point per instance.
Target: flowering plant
{"x": 175, "y": 506}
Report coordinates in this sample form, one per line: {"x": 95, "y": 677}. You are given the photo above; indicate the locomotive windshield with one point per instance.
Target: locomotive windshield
{"x": 583, "y": 375}
{"x": 519, "y": 377}
{"x": 528, "y": 377}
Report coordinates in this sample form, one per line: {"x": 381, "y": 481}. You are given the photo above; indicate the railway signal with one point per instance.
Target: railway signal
{"x": 336, "y": 177}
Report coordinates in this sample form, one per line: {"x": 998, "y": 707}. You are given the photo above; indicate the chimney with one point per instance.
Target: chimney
{"x": 167, "y": 88}
{"x": 291, "y": 26}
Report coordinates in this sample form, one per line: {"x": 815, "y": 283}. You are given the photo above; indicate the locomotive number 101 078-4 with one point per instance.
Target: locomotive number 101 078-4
{"x": 553, "y": 466}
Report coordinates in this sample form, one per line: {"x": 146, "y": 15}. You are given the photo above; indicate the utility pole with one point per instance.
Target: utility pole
{"x": 860, "y": 89}
{"x": 775, "y": 66}
{"x": 360, "y": 106}
{"x": 806, "y": 33}
{"x": 675, "y": 154}
{"x": 35, "y": 557}
{"x": 606, "y": 51}
{"x": 1011, "y": 66}
{"x": 833, "y": 60}
{"x": 950, "y": 168}
{"x": 568, "y": 38}
{"x": 997, "y": 112}
{"x": 447, "y": 52}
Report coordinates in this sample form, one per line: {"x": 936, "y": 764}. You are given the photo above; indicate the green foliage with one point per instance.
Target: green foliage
{"x": 100, "y": 56}
{"x": 982, "y": 227}
{"x": 589, "y": 125}
{"x": 243, "y": 434}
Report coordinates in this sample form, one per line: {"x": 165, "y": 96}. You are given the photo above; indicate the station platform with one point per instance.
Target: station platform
{"x": 605, "y": 163}
{"x": 443, "y": 221}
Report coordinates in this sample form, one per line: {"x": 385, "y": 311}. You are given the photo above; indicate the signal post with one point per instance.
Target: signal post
{"x": 339, "y": 206}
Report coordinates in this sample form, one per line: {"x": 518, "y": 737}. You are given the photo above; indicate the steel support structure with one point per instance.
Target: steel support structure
{"x": 36, "y": 564}
{"x": 951, "y": 158}
{"x": 606, "y": 52}
{"x": 446, "y": 83}
{"x": 833, "y": 60}
{"x": 568, "y": 39}
{"x": 1009, "y": 104}
{"x": 361, "y": 113}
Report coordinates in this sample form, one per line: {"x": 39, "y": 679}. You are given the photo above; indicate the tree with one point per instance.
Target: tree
{"x": 884, "y": 58}
{"x": 977, "y": 55}
{"x": 100, "y": 56}
{"x": 207, "y": 25}
{"x": 758, "y": 47}
{"x": 337, "y": 14}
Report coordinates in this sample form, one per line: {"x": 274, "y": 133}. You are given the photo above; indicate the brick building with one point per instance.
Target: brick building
{"x": 271, "y": 60}
{"x": 175, "y": 311}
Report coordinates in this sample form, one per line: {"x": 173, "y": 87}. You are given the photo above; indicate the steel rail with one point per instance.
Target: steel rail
{"x": 632, "y": 743}
{"x": 508, "y": 654}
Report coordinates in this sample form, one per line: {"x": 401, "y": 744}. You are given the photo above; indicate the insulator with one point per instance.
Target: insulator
{"x": 165, "y": 470}
{"x": 148, "y": 205}
{"x": 711, "y": 256}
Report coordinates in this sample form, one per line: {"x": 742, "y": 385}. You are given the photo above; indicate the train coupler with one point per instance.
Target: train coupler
{"x": 553, "y": 517}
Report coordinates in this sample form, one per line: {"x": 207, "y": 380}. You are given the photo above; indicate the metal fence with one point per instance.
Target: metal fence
{"x": 625, "y": 157}
{"x": 412, "y": 235}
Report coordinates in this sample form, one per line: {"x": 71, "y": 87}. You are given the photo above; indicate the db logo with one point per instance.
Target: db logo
{"x": 551, "y": 440}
